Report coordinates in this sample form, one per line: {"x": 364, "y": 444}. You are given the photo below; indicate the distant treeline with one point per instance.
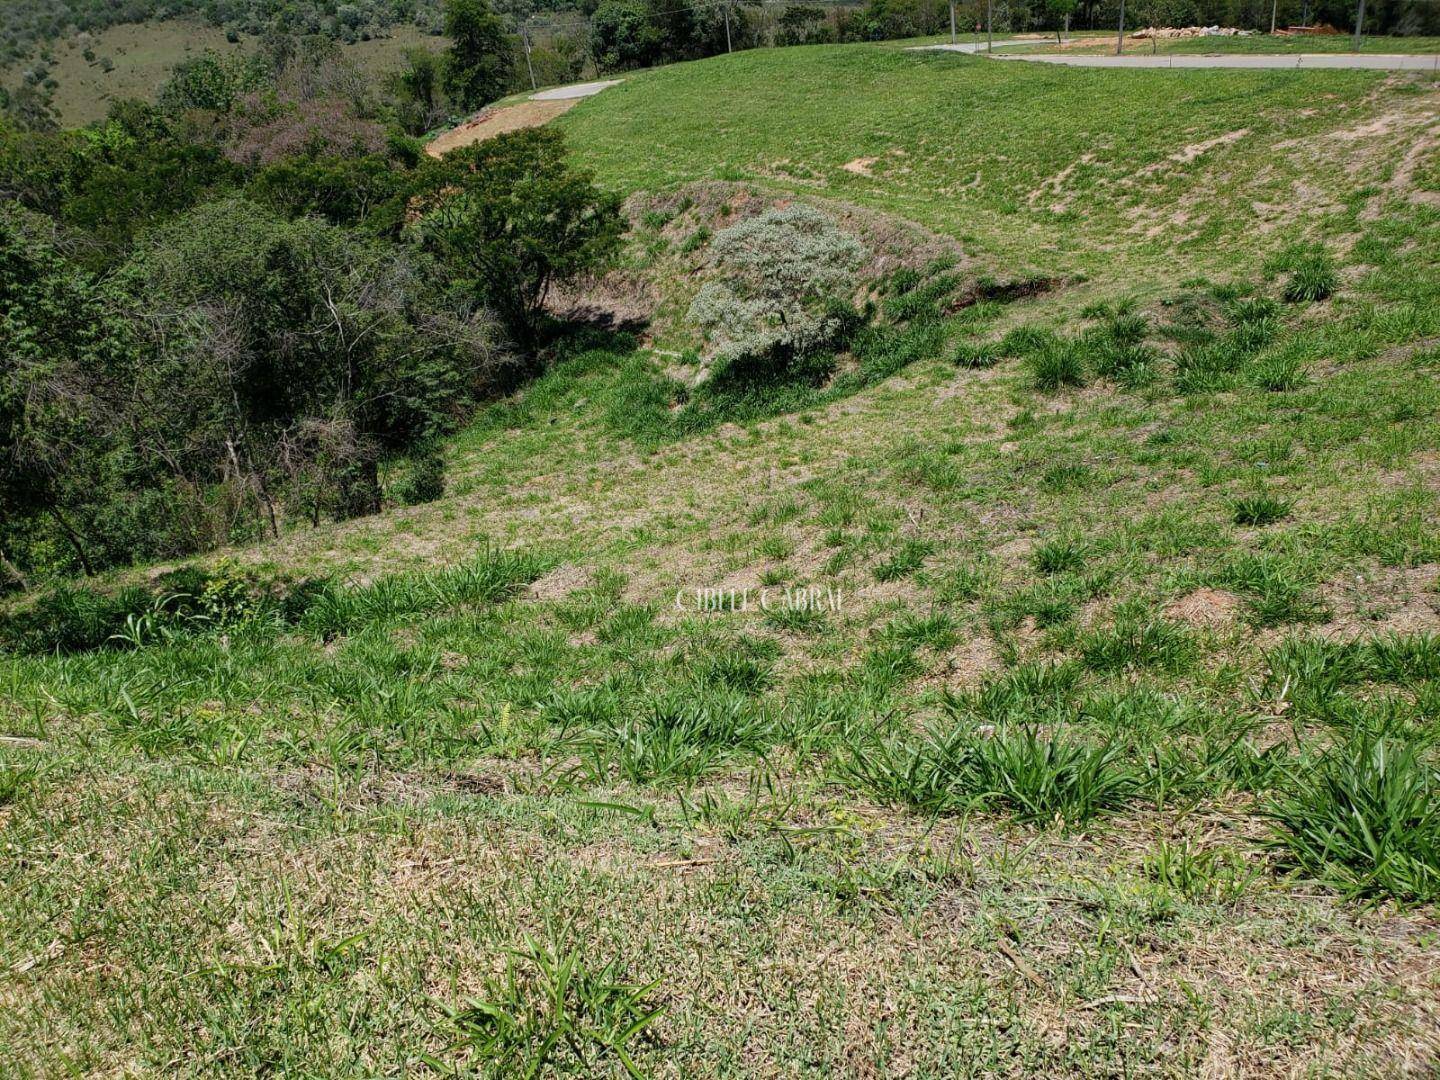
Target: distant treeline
{"x": 30, "y": 23}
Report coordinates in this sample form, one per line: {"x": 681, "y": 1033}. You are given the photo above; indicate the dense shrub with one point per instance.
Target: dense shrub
{"x": 513, "y": 218}
{"x": 69, "y": 618}
{"x": 266, "y": 132}
{"x": 421, "y": 480}
{"x": 210, "y": 83}
{"x": 299, "y": 351}
{"x": 782, "y": 291}
{"x": 197, "y": 600}
{"x": 60, "y": 344}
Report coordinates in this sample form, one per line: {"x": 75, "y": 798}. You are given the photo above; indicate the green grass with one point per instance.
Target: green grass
{"x": 1365, "y": 817}
{"x": 973, "y": 152}
{"x": 1113, "y": 702}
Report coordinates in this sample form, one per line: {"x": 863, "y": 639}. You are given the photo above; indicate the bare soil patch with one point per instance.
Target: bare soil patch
{"x": 1209, "y": 608}
{"x": 489, "y": 122}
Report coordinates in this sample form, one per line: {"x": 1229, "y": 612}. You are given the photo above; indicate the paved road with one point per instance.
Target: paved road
{"x": 1290, "y": 61}
{"x": 564, "y": 93}
{"x": 971, "y": 46}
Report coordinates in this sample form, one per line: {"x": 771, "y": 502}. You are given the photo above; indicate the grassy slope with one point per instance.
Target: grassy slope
{"x": 1065, "y": 170}
{"x": 275, "y": 852}
{"x": 144, "y": 54}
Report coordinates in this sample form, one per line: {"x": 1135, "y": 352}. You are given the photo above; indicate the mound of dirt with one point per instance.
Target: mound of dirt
{"x": 631, "y": 297}
{"x": 1170, "y": 33}
{"x": 893, "y": 242}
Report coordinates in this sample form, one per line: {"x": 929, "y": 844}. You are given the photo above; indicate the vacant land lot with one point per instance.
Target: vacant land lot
{"x": 1109, "y": 749}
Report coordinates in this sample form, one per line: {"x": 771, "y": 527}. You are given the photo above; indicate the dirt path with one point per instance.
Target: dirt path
{"x": 495, "y": 120}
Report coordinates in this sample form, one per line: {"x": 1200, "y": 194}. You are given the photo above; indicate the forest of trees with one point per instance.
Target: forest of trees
{"x": 222, "y": 312}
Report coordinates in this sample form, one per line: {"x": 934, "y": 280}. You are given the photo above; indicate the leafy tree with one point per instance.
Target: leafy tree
{"x": 804, "y": 24}
{"x": 481, "y": 60}
{"x": 61, "y": 344}
{"x": 622, "y": 37}
{"x": 419, "y": 87}
{"x": 31, "y": 106}
{"x": 512, "y": 217}
{"x": 344, "y": 191}
{"x": 134, "y": 171}
{"x": 210, "y": 83}
{"x": 291, "y": 354}
{"x": 1059, "y": 13}
{"x": 35, "y": 169}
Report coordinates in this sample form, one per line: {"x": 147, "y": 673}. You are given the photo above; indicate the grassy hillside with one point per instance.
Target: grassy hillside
{"x": 143, "y": 55}
{"x": 1129, "y": 616}
{"x": 1103, "y": 172}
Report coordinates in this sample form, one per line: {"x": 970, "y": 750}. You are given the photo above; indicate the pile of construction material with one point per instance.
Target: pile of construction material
{"x": 1165, "y": 33}
{"x": 1304, "y": 31}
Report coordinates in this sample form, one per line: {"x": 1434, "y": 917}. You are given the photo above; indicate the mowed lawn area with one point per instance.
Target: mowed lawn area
{"x": 1109, "y": 750}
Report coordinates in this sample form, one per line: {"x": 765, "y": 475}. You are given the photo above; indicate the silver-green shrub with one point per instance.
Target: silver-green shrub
{"x": 784, "y": 283}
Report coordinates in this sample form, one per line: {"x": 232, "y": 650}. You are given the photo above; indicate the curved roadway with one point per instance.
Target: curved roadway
{"x": 1285, "y": 61}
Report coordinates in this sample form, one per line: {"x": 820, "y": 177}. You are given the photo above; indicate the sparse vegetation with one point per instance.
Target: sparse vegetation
{"x": 1047, "y": 620}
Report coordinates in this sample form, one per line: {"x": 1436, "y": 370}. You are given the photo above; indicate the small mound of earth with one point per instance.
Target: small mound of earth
{"x": 1016, "y": 549}
{"x": 629, "y": 298}
{"x": 1210, "y": 608}
{"x": 892, "y": 241}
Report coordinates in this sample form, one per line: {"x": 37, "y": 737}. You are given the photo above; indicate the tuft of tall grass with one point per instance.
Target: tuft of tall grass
{"x": 1252, "y": 309}
{"x": 1061, "y": 555}
{"x": 1215, "y": 875}
{"x": 1365, "y": 819}
{"x": 976, "y": 354}
{"x": 338, "y": 609}
{"x": 678, "y": 739}
{"x": 1035, "y": 776}
{"x": 900, "y": 771}
{"x": 1052, "y": 777}
{"x": 551, "y": 1010}
{"x": 1059, "y": 364}
{"x": 1133, "y": 643}
{"x": 1312, "y": 277}
{"x": 1024, "y": 340}
{"x": 1278, "y": 589}
{"x": 904, "y": 561}
{"x": 1311, "y": 672}
{"x": 1260, "y": 509}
